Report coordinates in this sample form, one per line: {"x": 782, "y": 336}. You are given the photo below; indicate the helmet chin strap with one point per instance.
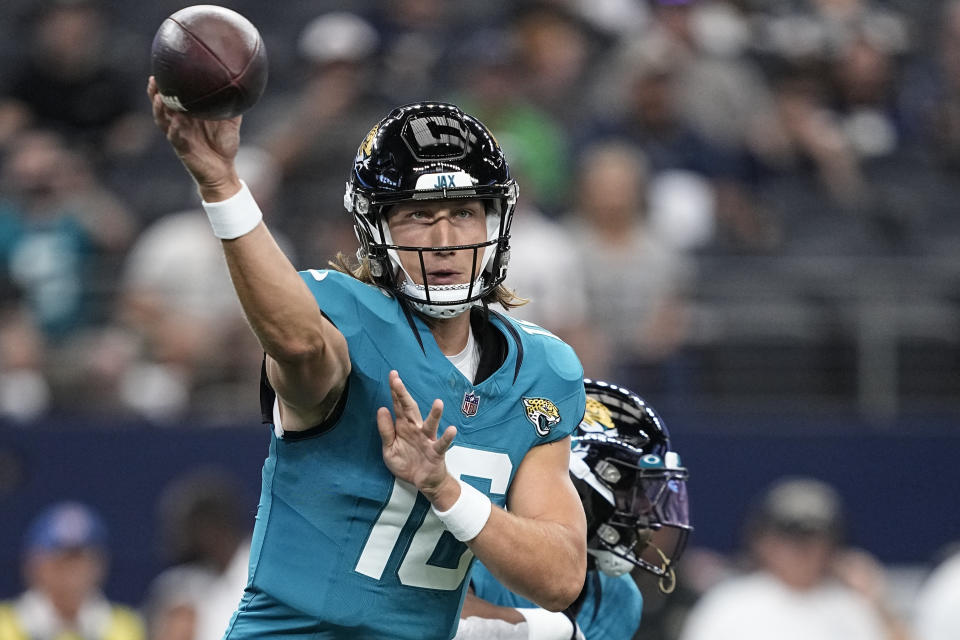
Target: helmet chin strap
{"x": 437, "y": 310}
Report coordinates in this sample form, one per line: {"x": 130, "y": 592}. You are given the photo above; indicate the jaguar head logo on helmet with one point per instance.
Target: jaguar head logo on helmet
{"x": 432, "y": 152}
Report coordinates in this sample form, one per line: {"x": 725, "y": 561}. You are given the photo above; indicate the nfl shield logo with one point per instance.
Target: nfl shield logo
{"x": 471, "y": 402}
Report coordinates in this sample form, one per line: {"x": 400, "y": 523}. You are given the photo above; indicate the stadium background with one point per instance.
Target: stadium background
{"x": 821, "y": 329}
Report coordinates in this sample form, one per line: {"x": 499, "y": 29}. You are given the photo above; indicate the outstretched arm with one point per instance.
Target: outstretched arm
{"x": 307, "y": 358}
{"x": 537, "y": 549}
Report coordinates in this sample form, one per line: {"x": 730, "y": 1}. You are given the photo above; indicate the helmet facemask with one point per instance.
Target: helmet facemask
{"x": 636, "y": 504}
{"x": 489, "y": 259}
{"x": 431, "y": 151}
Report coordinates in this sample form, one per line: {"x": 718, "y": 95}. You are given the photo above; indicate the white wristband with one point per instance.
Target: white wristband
{"x": 547, "y": 625}
{"x": 468, "y": 515}
{"x": 236, "y": 216}
{"x": 474, "y": 628}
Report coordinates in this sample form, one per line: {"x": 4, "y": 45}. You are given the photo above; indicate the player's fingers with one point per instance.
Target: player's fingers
{"x": 176, "y": 130}
{"x": 385, "y": 426}
{"x": 402, "y": 400}
{"x": 432, "y": 421}
{"x": 161, "y": 115}
{"x": 444, "y": 442}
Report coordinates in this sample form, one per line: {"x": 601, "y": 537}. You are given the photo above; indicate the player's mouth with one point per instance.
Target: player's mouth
{"x": 444, "y": 276}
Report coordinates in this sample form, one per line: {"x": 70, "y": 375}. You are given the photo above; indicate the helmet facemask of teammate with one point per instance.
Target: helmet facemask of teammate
{"x": 431, "y": 152}
{"x": 632, "y": 486}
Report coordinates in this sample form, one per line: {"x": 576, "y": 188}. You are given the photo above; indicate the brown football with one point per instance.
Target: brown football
{"x": 209, "y": 61}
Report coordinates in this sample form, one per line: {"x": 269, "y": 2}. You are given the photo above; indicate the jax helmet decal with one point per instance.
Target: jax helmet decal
{"x": 431, "y": 151}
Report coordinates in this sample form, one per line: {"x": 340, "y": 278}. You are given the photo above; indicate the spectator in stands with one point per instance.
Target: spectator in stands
{"x": 178, "y": 312}
{"x": 938, "y": 603}
{"x": 417, "y": 39}
{"x": 554, "y": 50}
{"x": 794, "y": 537}
{"x": 61, "y": 232}
{"x": 490, "y": 87}
{"x": 636, "y": 284}
{"x": 24, "y": 388}
{"x": 65, "y": 566}
{"x": 318, "y": 125}
{"x": 77, "y": 80}
{"x": 203, "y": 521}
{"x": 690, "y": 109}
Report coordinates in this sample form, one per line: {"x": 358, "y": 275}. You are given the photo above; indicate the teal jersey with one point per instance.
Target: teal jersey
{"x": 341, "y": 540}
{"x": 610, "y": 610}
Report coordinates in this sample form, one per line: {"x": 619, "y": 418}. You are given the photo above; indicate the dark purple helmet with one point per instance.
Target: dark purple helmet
{"x": 632, "y": 485}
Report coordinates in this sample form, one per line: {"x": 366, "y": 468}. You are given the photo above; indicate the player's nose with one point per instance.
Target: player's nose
{"x": 443, "y": 233}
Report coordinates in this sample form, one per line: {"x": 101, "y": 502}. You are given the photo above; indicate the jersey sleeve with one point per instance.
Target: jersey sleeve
{"x": 552, "y": 368}
{"x": 338, "y": 296}
{"x": 560, "y": 363}
{"x": 613, "y": 611}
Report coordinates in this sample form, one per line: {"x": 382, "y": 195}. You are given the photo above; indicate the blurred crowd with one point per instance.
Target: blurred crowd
{"x": 651, "y": 138}
{"x": 797, "y": 575}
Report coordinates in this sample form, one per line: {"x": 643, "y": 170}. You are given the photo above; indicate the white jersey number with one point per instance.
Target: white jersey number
{"x": 414, "y": 569}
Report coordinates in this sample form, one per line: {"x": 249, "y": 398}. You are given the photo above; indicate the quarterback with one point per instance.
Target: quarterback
{"x": 371, "y": 513}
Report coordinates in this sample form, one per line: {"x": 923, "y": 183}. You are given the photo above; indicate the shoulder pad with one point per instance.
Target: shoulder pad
{"x": 548, "y": 348}
{"x": 344, "y": 299}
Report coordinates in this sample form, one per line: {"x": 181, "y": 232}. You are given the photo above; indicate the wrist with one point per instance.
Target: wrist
{"x": 236, "y": 216}
{"x": 444, "y": 494}
{"x": 468, "y": 515}
{"x": 219, "y": 190}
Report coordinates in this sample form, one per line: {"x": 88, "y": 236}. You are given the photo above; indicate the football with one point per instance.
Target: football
{"x": 209, "y": 62}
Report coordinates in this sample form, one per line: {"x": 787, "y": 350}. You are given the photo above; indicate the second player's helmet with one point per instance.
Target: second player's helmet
{"x": 632, "y": 485}
{"x": 431, "y": 151}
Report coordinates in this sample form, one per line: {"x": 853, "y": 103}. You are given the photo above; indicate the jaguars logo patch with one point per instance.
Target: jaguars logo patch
{"x": 597, "y": 418}
{"x": 542, "y": 413}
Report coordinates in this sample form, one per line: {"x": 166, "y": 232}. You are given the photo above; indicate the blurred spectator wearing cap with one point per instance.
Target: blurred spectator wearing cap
{"x": 802, "y": 584}
{"x": 316, "y": 126}
{"x": 65, "y": 566}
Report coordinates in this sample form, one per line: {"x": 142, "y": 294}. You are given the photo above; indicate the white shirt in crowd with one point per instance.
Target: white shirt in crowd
{"x": 760, "y": 607}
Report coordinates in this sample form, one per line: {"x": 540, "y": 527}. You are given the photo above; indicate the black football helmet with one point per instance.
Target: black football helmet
{"x": 431, "y": 151}
{"x": 632, "y": 485}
